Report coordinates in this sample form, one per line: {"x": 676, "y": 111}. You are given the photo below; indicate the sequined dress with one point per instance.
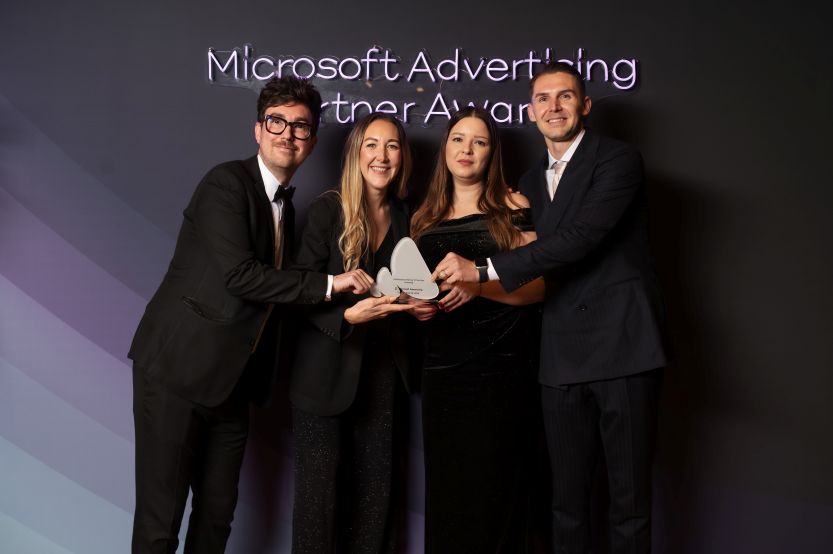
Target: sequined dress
{"x": 479, "y": 400}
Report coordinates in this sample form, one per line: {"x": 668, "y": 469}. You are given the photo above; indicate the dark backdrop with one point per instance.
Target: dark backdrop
{"x": 107, "y": 122}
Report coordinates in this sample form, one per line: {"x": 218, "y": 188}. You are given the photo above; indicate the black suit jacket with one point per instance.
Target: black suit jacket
{"x": 204, "y": 323}
{"x": 328, "y": 355}
{"x": 603, "y": 312}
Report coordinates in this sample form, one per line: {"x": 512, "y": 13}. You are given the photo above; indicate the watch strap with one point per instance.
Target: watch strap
{"x": 482, "y": 269}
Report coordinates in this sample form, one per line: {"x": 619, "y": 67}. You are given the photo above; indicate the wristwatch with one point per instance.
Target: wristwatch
{"x": 482, "y": 267}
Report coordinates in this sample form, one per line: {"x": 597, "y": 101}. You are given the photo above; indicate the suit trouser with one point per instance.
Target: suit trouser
{"x": 615, "y": 418}
{"x": 180, "y": 446}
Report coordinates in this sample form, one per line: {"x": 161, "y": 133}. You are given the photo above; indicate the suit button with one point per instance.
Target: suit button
{"x": 582, "y": 308}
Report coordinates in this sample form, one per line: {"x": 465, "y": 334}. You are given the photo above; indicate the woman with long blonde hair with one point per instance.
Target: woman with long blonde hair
{"x": 479, "y": 376}
{"x": 348, "y": 360}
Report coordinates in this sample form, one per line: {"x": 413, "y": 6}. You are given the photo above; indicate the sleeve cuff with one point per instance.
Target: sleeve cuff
{"x": 328, "y": 295}
{"x": 492, "y": 273}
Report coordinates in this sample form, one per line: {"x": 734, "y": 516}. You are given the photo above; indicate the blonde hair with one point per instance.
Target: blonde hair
{"x": 493, "y": 199}
{"x": 354, "y": 241}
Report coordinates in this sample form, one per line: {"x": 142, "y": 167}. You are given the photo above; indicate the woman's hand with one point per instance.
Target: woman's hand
{"x": 459, "y": 295}
{"x": 374, "y": 308}
{"x": 421, "y": 309}
{"x": 456, "y": 269}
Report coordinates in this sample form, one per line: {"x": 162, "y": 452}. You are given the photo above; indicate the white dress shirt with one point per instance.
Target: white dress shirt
{"x": 549, "y": 176}
{"x": 560, "y": 165}
{"x": 271, "y": 184}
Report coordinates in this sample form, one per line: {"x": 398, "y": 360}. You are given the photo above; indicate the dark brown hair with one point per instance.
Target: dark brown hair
{"x": 493, "y": 198}
{"x": 290, "y": 90}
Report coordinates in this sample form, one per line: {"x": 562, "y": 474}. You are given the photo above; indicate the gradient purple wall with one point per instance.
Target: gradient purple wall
{"x": 107, "y": 122}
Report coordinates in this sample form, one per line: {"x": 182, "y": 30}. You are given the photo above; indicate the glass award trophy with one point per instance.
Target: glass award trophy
{"x": 408, "y": 273}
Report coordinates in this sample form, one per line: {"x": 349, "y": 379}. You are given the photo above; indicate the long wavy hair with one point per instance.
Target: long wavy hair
{"x": 493, "y": 198}
{"x": 354, "y": 241}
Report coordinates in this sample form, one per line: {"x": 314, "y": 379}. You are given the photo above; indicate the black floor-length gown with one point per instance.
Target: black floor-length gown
{"x": 480, "y": 403}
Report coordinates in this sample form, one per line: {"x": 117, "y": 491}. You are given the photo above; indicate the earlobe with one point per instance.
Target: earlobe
{"x": 257, "y": 131}
{"x": 530, "y": 113}
{"x": 587, "y": 105}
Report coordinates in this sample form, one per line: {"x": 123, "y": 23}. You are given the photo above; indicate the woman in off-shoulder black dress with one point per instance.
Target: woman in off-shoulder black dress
{"x": 479, "y": 376}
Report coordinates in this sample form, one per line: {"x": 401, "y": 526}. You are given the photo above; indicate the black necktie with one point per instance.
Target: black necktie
{"x": 288, "y": 221}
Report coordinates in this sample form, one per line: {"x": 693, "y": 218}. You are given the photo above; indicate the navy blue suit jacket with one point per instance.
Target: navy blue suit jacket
{"x": 603, "y": 312}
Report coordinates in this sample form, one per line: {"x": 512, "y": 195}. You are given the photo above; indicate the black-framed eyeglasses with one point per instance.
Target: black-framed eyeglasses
{"x": 276, "y": 125}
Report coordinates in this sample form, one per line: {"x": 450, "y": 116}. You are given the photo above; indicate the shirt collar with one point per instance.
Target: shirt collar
{"x": 568, "y": 155}
{"x": 270, "y": 183}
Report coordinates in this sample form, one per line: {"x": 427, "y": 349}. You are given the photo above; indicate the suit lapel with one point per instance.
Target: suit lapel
{"x": 256, "y": 183}
{"x": 262, "y": 204}
{"x": 398, "y": 221}
{"x": 398, "y": 227}
{"x": 534, "y": 188}
{"x": 576, "y": 176}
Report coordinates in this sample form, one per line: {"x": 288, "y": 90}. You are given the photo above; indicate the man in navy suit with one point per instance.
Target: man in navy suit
{"x": 602, "y": 349}
{"x": 207, "y": 343}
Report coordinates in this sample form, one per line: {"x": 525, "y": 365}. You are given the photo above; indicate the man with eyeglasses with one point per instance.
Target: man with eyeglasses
{"x": 207, "y": 343}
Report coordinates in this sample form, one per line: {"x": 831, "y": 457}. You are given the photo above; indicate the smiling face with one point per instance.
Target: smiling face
{"x": 380, "y": 155}
{"x": 558, "y": 109}
{"x": 467, "y": 150}
{"x": 283, "y": 153}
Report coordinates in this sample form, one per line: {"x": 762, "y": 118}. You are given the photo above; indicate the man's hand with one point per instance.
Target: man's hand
{"x": 456, "y": 269}
{"x": 373, "y": 308}
{"x": 459, "y": 295}
{"x": 356, "y": 281}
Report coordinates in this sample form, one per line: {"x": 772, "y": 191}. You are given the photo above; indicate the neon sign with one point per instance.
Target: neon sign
{"x": 241, "y": 67}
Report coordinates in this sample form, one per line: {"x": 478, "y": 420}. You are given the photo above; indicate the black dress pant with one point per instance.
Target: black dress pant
{"x": 180, "y": 446}
{"x": 615, "y": 418}
{"x": 343, "y": 467}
